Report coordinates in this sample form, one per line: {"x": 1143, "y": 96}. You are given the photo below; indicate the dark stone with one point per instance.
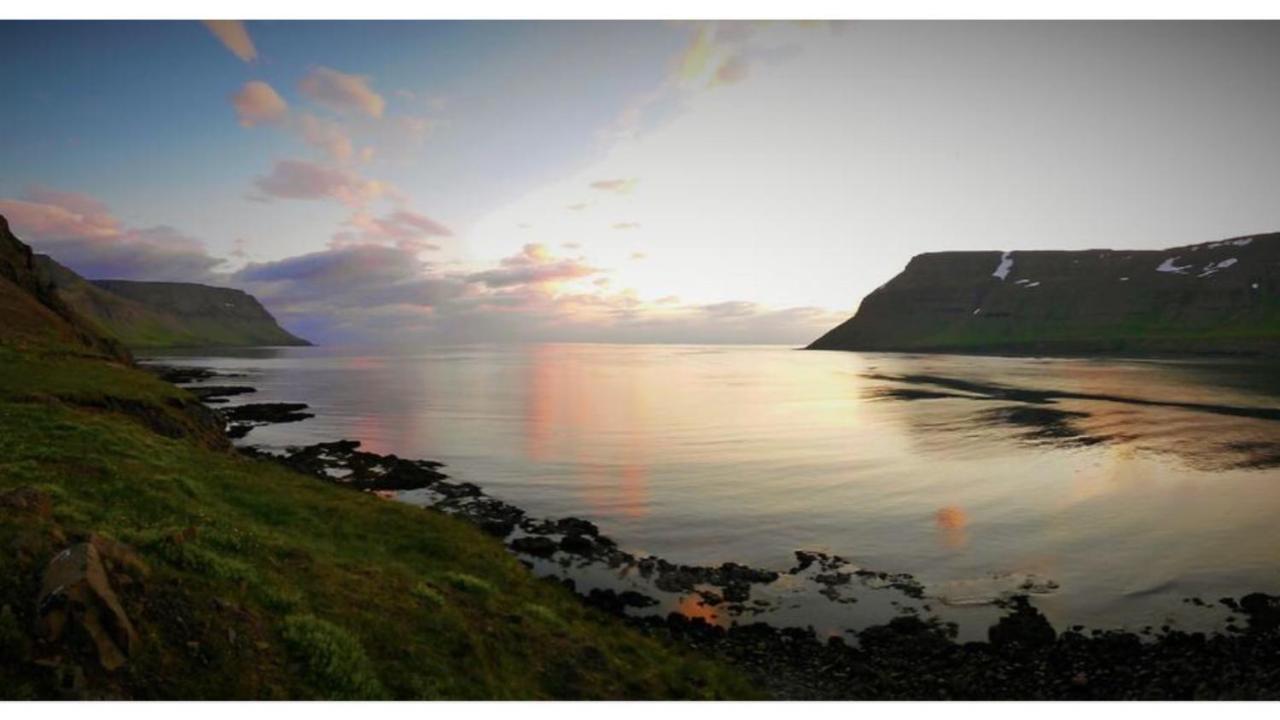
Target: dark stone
{"x": 536, "y": 546}
{"x": 577, "y": 545}
{"x": 1025, "y": 628}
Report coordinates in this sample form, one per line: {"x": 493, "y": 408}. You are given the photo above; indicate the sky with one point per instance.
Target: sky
{"x": 627, "y": 181}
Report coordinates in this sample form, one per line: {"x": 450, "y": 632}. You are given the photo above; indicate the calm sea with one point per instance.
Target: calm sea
{"x": 1128, "y": 486}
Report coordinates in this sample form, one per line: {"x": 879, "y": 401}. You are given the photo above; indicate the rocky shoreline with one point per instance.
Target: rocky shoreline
{"x": 913, "y": 655}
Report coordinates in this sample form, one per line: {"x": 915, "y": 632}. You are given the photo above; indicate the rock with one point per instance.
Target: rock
{"x": 577, "y": 545}
{"x": 75, "y": 592}
{"x": 536, "y": 546}
{"x": 266, "y": 413}
{"x": 1263, "y": 611}
{"x": 218, "y": 393}
{"x": 1025, "y": 627}
{"x": 27, "y": 500}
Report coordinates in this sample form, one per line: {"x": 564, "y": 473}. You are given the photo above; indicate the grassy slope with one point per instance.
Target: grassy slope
{"x": 265, "y": 583}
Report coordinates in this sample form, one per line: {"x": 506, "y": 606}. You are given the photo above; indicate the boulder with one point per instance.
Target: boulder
{"x": 76, "y": 594}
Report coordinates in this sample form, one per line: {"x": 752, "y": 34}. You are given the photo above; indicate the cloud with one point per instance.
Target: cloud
{"x": 328, "y": 136}
{"x": 638, "y": 256}
{"x": 407, "y": 230}
{"x": 533, "y": 265}
{"x": 730, "y": 71}
{"x": 79, "y": 232}
{"x": 617, "y": 185}
{"x": 257, "y": 103}
{"x": 302, "y": 180}
{"x": 342, "y": 91}
{"x": 626, "y": 226}
{"x": 576, "y": 206}
{"x": 233, "y": 35}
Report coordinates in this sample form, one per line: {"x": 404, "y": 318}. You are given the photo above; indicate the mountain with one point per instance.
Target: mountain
{"x": 162, "y": 314}
{"x": 35, "y": 316}
{"x": 1218, "y": 297}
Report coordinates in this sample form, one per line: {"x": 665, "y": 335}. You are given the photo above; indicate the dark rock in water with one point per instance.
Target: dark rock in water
{"x": 1263, "y": 611}
{"x": 537, "y": 546}
{"x": 616, "y": 603}
{"x": 180, "y": 375}
{"x": 266, "y": 413}
{"x": 235, "y": 431}
{"x": 577, "y": 545}
{"x": 75, "y": 591}
{"x": 28, "y": 501}
{"x": 343, "y": 462}
{"x": 218, "y": 393}
{"x": 1025, "y": 627}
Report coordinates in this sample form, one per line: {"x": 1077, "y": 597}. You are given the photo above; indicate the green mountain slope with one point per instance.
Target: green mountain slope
{"x": 158, "y": 314}
{"x": 212, "y": 575}
{"x": 1213, "y": 298}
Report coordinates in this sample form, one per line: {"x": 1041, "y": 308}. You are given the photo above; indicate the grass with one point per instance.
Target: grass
{"x": 264, "y": 583}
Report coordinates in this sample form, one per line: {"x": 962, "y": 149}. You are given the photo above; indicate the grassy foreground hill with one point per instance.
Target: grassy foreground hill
{"x": 164, "y": 314}
{"x": 1213, "y": 298}
{"x": 207, "y": 574}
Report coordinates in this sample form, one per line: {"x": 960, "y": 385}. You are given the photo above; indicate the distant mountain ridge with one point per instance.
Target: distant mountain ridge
{"x": 165, "y": 314}
{"x": 1219, "y": 297}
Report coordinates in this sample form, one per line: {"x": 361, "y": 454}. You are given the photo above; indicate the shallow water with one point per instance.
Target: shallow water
{"x": 1130, "y": 485}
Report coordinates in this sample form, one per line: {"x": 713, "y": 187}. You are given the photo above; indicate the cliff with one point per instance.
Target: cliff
{"x": 1218, "y": 297}
{"x": 163, "y": 314}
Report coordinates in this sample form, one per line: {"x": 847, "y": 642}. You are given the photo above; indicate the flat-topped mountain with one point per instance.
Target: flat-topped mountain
{"x": 167, "y": 314}
{"x": 1218, "y": 297}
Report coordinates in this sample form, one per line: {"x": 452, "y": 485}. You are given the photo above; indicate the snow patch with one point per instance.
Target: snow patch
{"x": 1033, "y": 284}
{"x": 1255, "y": 286}
{"x": 1168, "y": 266}
{"x": 1124, "y": 279}
{"x": 1212, "y": 268}
{"x": 977, "y": 310}
{"x": 1238, "y": 242}
{"x": 1005, "y": 266}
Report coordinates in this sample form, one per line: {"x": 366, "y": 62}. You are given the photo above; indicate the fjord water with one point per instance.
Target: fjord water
{"x": 1131, "y": 485}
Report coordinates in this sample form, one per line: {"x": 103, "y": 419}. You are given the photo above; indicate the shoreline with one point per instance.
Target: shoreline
{"x": 909, "y": 656}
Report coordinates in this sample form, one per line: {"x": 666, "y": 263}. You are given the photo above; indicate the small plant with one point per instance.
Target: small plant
{"x": 334, "y": 661}
{"x": 469, "y": 583}
{"x": 427, "y": 594}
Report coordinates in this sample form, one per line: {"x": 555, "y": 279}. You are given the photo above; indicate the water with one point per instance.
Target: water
{"x": 1132, "y": 485}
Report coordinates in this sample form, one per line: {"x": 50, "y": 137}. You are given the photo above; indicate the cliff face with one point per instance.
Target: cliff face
{"x": 1217, "y": 297}
{"x": 158, "y": 314}
{"x": 214, "y": 315}
{"x": 32, "y": 314}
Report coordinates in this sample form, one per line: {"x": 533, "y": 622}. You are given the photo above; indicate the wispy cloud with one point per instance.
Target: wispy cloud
{"x": 342, "y": 91}
{"x": 533, "y": 265}
{"x": 409, "y": 231}
{"x": 302, "y": 180}
{"x": 257, "y": 103}
{"x": 615, "y": 185}
{"x": 235, "y": 37}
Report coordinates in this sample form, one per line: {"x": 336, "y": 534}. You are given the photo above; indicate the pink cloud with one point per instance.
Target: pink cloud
{"x": 533, "y": 265}
{"x": 406, "y": 230}
{"x": 80, "y": 232}
{"x": 328, "y": 136}
{"x": 730, "y": 71}
{"x": 302, "y": 180}
{"x": 257, "y": 103}
{"x": 342, "y": 91}
{"x": 234, "y": 36}
{"x": 617, "y": 185}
